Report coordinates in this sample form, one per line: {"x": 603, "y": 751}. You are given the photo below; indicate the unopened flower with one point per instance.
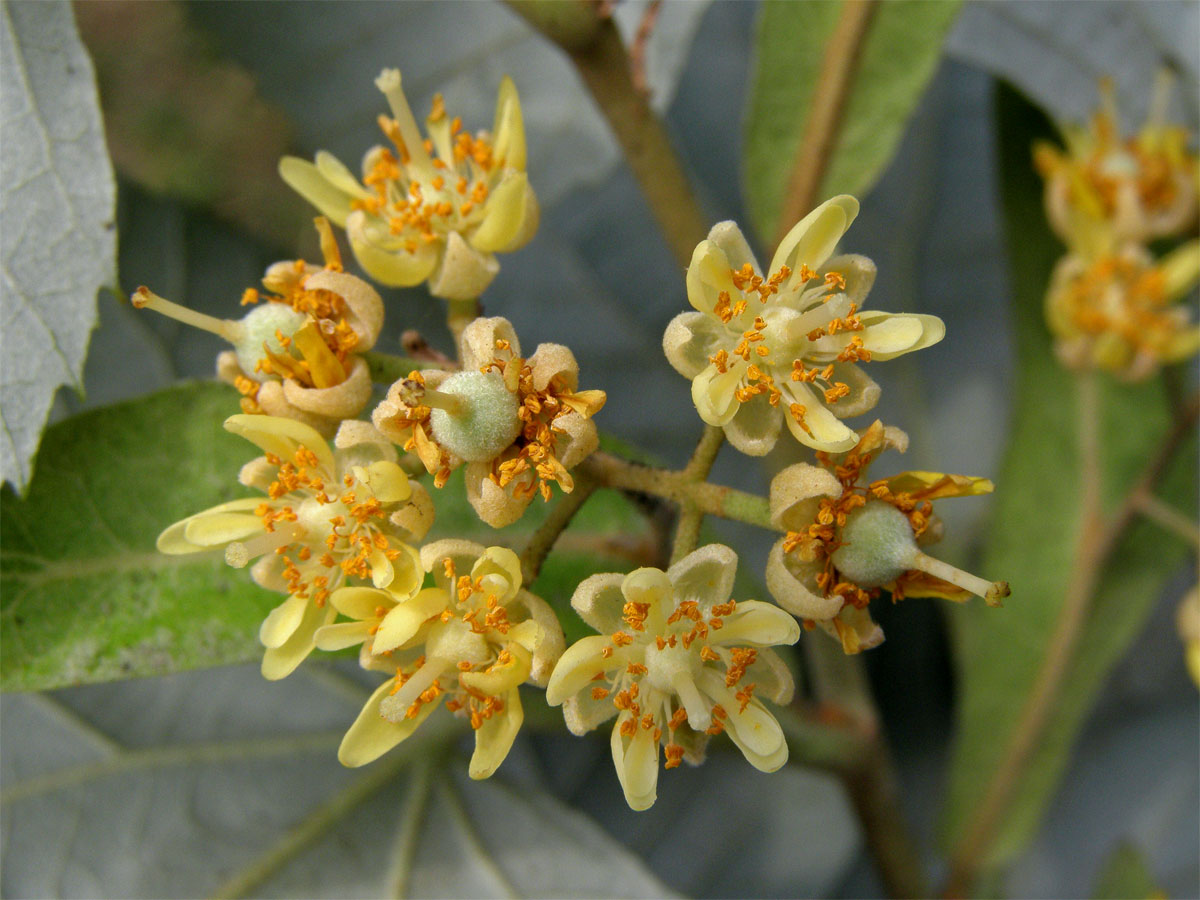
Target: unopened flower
{"x": 296, "y": 353}
{"x": 1104, "y": 187}
{"x": 1120, "y": 311}
{"x": 330, "y": 517}
{"x": 785, "y": 346}
{"x": 519, "y": 424}
{"x": 469, "y": 642}
{"x": 847, "y": 538}
{"x": 676, "y": 661}
{"x": 437, "y": 208}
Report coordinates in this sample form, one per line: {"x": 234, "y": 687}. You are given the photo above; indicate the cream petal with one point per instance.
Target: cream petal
{"x": 713, "y": 393}
{"x": 636, "y": 763}
{"x": 407, "y": 574}
{"x": 360, "y": 602}
{"x": 385, "y": 480}
{"x": 501, "y": 678}
{"x": 506, "y": 219}
{"x": 888, "y": 335}
{"x": 282, "y": 437}
{"x": 793, "y": 585}
{"x": 258, "y": 474}
{"x": 864, "y": 392}
{"x": 758, "y": 624}
{"x": 771, "y": 677}
{"x": 691, "y": 339}
{"x": 858, "y": 271}
{"x": 338, "y": 175}
{"x": 393, "y": 264}
{"x": 541, "y": 634}
{"x": 371, "y": 735}
{"x": 495, "y": 737}
{"x": 812, "y": 240}
{"x": 754, "y": 429}
{"x": 650, "y": 586}
{"x": 174, "y": 538}
{"x": 502, "y": 565}
{"x": 279, "y": 662}
{"x": 599, "y": 601}
{"x": 728, "y": 236}
{"x": 577, "y": 439}
{"x": 414, "y": 518}
{"x": 508, "y": 129}
{"x": 707, "y": 276}
{"x": 496, "y": 506}
{"x": 403, "y": 620}
{"x": 341, "y": 635}
{"x": 795, "y": 493}
{"x": 825, "y": 431}
{"x": 578, "y": 665}
{"x": 753, "y": 730}
{"x": 310, "y": 183}
{"x": 281, "y": 622}
{"x": 855, "y": 629}
{"x": 464, "y": 272}
{"x": 705, "y": 575}
{"x": 341, "y": 401}
{"x": 583, "y": 713}
{"x": 478, "y": 341}
{"x": 364, "y": 306}
{"x": 551, "y": 361}
{"x": 462, "y": 553}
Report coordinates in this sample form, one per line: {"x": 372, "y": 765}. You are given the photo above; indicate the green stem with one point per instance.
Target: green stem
{"x": 592, "y": 42}
{"x": 460, "y": 314}
{"x": 691, "y": 516}
{"x": 541, "y": 542}
{"x": 386, "y": 368}
{"x": 676, "y": 486}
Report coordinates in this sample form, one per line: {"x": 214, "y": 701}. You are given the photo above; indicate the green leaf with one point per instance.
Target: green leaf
{"x": 1125, "y": 875}
{"x": 86, "y": 597}
{"x": 57, "y": 200}
{"x": 1037, "y": 528}
{"x": 897, "y": 60}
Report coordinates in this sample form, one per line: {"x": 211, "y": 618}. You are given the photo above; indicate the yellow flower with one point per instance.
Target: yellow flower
{"x": 847, "y": 538}
{"x": 330, "y": 517}
{"x": 519, "y": 424}
{"x": 1105, "y": 189}
{"x": 436, "y": 209}
{"x": 470, "y": 641}
{"x": 785, "y": 347}
{"x": 676, "y": 661}
{"x": 297, "y": 352}
{"x": 1119, "y": 311}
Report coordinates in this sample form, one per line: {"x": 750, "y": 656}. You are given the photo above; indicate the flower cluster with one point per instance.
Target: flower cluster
{"x": 676, "y": 660}
{"x": 437, "y": 208}
{"x": 1111, "y": 303}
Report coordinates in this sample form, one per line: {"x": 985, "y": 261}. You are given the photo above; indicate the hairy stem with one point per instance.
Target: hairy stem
{"x": 592, "y": 42}
{"x": 386, "y": 368}
{"x": 691, "y": 516}
{"x": 838, "y": 67}
{"x": 541, "y": 542}
{"x": 678, "y": 487}
{"x": 1098, "y": 538}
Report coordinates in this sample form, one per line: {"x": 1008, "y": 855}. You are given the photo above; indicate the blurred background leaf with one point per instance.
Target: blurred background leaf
{"x": 57, "y": 198}
{"x": 898, "y": 58}
{"x": 1125, "y": 875}
{"x": 1036, "y": 527}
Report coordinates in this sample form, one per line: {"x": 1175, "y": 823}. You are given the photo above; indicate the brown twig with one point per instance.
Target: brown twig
{"x": 541, "y": 542}
{"x": 637, "y": 53}
{"x": 594, "y": 45}
{"x": 824, "y": 123}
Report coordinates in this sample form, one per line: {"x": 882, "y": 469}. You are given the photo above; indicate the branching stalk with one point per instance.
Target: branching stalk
{"x": 838, "y": 67}
{"x": 1098, "y": 539}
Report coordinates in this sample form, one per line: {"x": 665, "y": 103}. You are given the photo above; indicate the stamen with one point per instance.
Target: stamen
{"x": 698, "y": 715}
{"x": 389, "y": 83}
{"x": 144, "y": 298}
